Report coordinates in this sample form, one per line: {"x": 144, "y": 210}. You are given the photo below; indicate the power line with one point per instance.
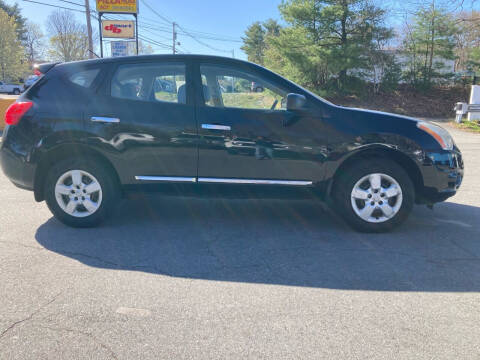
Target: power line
{"x": 195, "y": 35}
{"x": 164, "y": 18}
{"x": 73, "y": 3}
{"x": 55, "y": 6}
{"x": 185, "y": 32}
{"x": 202, "y": 42}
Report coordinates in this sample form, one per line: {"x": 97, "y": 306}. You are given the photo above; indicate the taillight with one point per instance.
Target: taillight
{"x": 15, "y": 112}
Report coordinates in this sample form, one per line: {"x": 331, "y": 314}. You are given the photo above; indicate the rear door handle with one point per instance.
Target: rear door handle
{"x": 216, "y": 127}
{"x": 103, "y": 119}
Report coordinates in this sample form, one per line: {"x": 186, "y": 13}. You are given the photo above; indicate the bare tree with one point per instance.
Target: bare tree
{"x": 34, "y": 42}
{"x": 69, "y": 38}
{"x": 467, "y": 39}
{"x": 144, "y": 49}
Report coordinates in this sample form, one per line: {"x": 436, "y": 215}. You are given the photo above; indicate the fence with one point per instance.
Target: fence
{"x": 4, "y": 104}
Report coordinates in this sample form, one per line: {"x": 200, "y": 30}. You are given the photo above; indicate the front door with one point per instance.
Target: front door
{"x": 247, "y": 135}
{"x": 146, "y": 122}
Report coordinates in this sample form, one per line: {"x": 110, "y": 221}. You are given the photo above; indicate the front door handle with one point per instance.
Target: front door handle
{"x": 103, "y": 119}
{"x": 216, "y": 127}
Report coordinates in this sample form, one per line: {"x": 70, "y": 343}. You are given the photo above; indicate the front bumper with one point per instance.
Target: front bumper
{"x": 442, "y": 175}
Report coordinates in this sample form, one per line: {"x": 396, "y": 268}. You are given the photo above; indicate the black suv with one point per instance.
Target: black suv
{"x": 87, "y": 131}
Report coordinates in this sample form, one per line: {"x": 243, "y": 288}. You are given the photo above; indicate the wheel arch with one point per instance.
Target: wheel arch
{"x": 63, "y": 152}
{"x": 407, "y": 163}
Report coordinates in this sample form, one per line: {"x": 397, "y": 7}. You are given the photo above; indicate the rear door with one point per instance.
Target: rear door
{"x": 145, "y": 122}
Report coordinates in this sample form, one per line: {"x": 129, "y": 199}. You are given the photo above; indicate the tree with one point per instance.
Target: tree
{"x": 429, "y": 40}
{"x": 467, "y": 40}
{"x": 325, "y": 38}
{"x": 254, "y": 43}
{"x": 20, "y": 21}
{"x": 12, "y": 55}
{"x": 272, "y": 27}
{"x": 144, "y": 49}
{"x": 69, "y": 39}
{"x": 34, "y": 45}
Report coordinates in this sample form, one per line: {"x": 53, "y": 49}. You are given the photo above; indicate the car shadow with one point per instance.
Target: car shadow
{"x": 293, "y": 243}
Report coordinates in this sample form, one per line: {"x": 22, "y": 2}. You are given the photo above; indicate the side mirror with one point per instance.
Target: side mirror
{"x": 296, "y": 102}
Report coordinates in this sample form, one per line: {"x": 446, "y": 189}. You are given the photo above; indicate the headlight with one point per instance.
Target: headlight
{"x": 438, "y": 133}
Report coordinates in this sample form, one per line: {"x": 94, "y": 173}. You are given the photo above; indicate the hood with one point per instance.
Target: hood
{"x": 380, "y": 115}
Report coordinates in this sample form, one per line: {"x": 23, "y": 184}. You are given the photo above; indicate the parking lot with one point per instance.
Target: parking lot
{"x": 170, "y": 278}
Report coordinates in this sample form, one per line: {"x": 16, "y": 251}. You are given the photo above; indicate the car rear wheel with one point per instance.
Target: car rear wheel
{"x": 374, "y": 195}
{"x": 16, "y": 91}
{"x": 80, "y": 193}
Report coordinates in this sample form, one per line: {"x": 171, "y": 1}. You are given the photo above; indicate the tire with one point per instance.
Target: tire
{"x": 90, "y": 207}
{"x": 16, "y": 92}
{"x": 390, "y": 204}
{"x": 259, "y": 89}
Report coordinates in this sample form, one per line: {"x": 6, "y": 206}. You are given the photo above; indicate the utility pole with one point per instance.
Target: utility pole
{"x": 174, "y": 38}
{"x": 89, "y": 30}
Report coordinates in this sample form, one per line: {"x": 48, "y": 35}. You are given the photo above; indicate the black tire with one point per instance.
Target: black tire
{"x": 259, "y": 89}
{"x": 16, "y": 91}
{"x": 109, "y": 188}
{"x": 345, "y": 182}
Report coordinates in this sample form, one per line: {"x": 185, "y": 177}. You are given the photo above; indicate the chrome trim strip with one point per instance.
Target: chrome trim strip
{"x": 216, "y": 127}
{"x": 104, "y": 119}
{"x": 166, "y": 178}
{"x": 255, "y": 181}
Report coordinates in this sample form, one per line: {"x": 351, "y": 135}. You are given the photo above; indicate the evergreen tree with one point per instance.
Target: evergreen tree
{"x": 254, "y": 43}
{"x": 20, "y": 21}
{"x": 326, "y": 37}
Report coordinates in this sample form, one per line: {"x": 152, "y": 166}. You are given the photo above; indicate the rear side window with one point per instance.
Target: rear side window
{"x": 151, "y": 82}
{"x": 84, "y": 78}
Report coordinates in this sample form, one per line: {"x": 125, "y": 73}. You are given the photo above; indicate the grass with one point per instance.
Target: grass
{"x": 472, "y": 126}
{"x": 166, "y": 96}
{"x": 263, "y": 100}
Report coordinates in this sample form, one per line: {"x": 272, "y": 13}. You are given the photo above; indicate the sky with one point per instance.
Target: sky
{"x": 216, "y": 25}
{"x": 223, "y": 19}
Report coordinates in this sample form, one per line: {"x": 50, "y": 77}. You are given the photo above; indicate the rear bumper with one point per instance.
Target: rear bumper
{"x": 15, "y": 165}
{"x": 442, "y": 176}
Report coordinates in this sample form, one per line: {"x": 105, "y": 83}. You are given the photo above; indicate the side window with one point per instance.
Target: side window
{"x": 150, "y": 82}
{"x": 84, "y": 78}
{"x": 229, "y": 87}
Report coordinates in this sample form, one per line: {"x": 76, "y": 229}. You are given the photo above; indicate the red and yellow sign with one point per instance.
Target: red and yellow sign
{"x": 117, "y": 6}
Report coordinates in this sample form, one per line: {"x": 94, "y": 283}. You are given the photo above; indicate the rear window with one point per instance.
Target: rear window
{"x": 84, "y": 78}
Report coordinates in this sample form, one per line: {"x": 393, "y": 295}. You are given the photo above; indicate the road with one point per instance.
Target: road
{"x": 7, "y": 96}
{"x": 234, "y": 279}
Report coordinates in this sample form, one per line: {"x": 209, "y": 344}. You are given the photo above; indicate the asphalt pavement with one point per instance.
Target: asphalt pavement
{"x": 184, "y": 278}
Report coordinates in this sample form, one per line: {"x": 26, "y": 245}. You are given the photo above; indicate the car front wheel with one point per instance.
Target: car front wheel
{"x": 80, "y": 194}
{"x": 374, "y": 195}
